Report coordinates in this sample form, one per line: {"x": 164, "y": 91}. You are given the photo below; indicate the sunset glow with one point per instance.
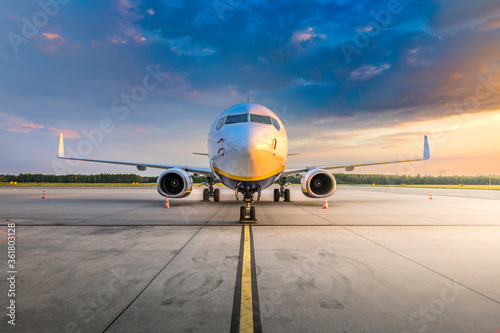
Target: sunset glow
{"x": 352, "y": 81}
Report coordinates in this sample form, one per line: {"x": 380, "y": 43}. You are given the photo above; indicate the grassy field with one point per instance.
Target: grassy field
{"x": 456, "y": 187}
{"x": 75, "y": 184}
{"x": 85, "y": 184}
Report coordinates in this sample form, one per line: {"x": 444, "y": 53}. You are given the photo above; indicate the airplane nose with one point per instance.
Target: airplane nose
{"x": 249, "y": 153}
{"x": 257, "y": 150}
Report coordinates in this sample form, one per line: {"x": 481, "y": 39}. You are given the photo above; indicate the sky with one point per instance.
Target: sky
{"x": 353, "y": 81}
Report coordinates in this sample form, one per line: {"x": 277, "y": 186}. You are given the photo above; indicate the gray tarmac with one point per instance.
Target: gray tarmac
{"x": 381, "y": 259}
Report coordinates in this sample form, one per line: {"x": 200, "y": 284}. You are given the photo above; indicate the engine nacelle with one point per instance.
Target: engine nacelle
{"x": 175, "y": 183}
{"x": 318, "y": 183}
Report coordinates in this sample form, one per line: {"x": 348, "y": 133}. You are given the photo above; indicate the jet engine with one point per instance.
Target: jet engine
{"x": 318, "y": 183}
{"x": 174, "y": 183}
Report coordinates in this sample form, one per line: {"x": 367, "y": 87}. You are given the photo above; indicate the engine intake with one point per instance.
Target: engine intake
{"x": 174, "y": 183}
{"x": 318, "y": 183}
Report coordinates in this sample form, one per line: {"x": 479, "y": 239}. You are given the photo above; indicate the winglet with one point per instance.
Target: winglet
{"x": 60, "y": 152}
{"x": 427, "y": 154}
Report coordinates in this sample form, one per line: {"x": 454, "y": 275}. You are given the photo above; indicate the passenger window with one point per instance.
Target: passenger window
{"x": 260, "y": 119}
{"x": 221, "y": 123}
{"x": 275, "y": 124}
{"x": 239, "y": 118}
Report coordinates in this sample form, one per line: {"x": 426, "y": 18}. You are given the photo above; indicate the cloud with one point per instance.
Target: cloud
{"x": 303, "y": 82}
{"x": 185, "y": 46}
{"x": 491, "y": 24}
{"x": 52, "y": 36}
{"x": 429, "y": 58}
{"x": 455, "y": 14}
{"x": 306, "y": 36}
{"x": 12, "y": 123}
{"x": 68, "y": 134}
{"x": 367, "y": 72}
{"x": 132, "y": 128}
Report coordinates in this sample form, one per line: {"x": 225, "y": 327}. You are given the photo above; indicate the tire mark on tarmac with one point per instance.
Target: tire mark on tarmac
{"x": 149, "y": 283}
{"x": 162, "y": 269}
{"x": 422, "y": 265}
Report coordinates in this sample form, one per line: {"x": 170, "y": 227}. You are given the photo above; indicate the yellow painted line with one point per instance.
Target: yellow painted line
{"x": 246, "y": 310}
{"x": 248, "y": 179}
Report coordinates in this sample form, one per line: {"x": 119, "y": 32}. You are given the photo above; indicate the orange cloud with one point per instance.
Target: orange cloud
{"x": 12, "y": 123}
{"x": 51, "y": 36}
{"x": 492, "y": 24}
{"x": 24, "y": 128}
{"x": 69, "y": 134}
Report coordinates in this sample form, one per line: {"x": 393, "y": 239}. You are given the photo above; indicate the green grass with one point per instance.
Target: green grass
{"x": 457, "y": 187}
{"x": 76, "y": 184}
{"x": 86, "y": 184}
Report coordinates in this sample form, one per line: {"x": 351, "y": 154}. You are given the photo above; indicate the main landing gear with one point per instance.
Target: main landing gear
{"x": 210, "y": 192}
{"x": 282, "y": 192}
{"x": 247, "y": 213}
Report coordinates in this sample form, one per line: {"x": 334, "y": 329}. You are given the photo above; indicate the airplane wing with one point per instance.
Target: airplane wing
{"x": 140, "y": 166}
{"x": 350, "y": 167}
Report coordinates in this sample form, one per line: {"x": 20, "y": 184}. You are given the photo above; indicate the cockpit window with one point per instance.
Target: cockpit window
{"x": 275, "y": 123}
{"x": 220, "y": 123}
{"x": 260, "y": 119}
{"x": 239, "y": 118}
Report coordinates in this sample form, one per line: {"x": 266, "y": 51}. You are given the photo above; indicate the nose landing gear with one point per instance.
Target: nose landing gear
{"x": 247, "y": 213}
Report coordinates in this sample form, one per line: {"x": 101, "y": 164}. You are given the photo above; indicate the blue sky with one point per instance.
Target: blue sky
{"x": 352, "y": 80}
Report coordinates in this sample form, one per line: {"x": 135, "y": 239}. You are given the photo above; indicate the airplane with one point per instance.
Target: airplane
{"x": 247, "y": 152}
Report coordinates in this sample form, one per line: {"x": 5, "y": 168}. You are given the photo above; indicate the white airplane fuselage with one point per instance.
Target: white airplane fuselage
{"x": 247, "y": 147}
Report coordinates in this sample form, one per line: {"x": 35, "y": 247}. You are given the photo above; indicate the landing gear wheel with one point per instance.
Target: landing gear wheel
{"x": 216, "y": 195}
{"x": 276, "y": 195}
{"x": 252, "y": 213}
{"x": 205, "y": 195}
{"x": 242, "y": 213}
{"x": 287, "y": 195}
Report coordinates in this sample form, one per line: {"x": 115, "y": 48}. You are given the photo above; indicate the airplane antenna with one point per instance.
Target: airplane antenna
{"x": 248, "y": 98}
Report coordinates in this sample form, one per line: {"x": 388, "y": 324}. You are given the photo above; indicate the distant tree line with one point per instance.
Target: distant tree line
{"x": 342, "y": 178}
{"x": 101, "y": 178}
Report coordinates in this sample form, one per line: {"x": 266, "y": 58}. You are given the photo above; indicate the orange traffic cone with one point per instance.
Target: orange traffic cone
{"x": 325, "y": 205}
{"x": 44, "y": 196}
{"x": 167, "y": 204}
{"x": 430, "y": 196}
